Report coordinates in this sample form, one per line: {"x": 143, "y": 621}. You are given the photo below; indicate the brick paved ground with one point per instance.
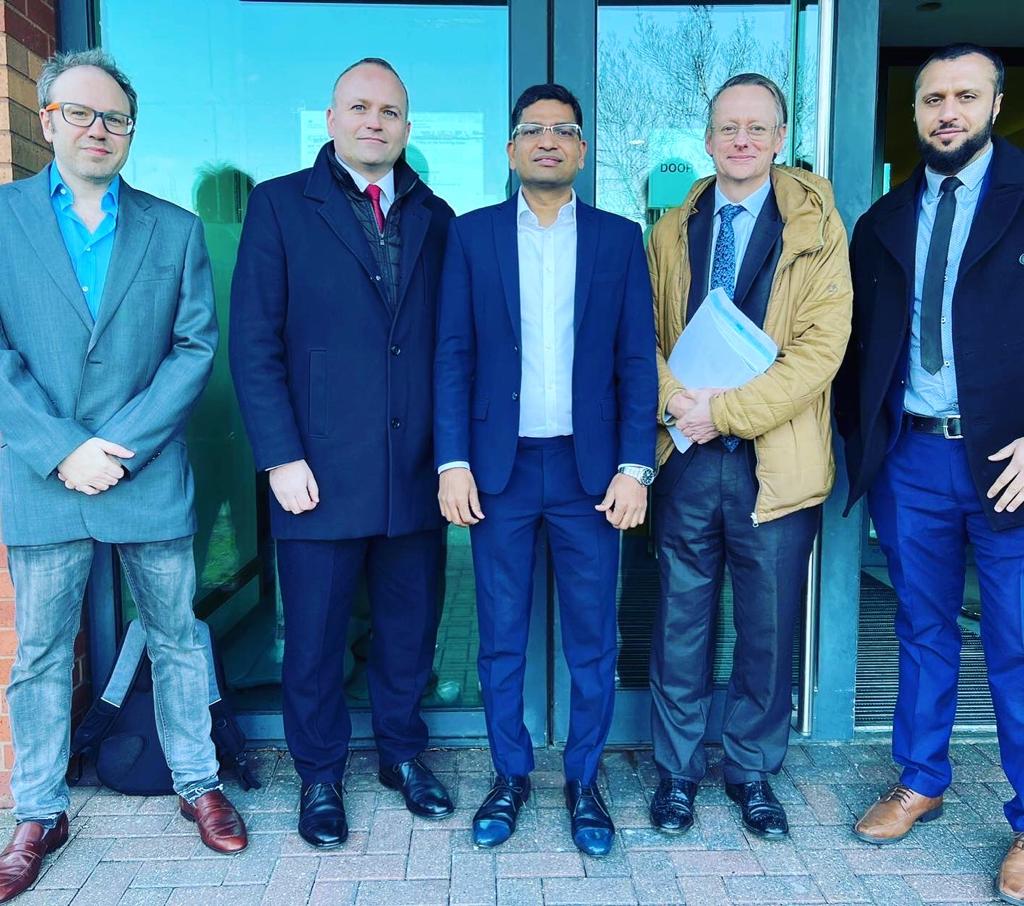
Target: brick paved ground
{"x": 134, "y": 850}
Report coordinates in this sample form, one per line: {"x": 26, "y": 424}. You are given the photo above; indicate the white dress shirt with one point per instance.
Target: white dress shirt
{"x": 386, "y": 183}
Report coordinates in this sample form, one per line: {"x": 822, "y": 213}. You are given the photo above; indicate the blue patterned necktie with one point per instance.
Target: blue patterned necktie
{"x": 723, "y": 274}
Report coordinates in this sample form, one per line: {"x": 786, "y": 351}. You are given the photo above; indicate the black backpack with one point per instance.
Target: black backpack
{"x": 120, "y": 728}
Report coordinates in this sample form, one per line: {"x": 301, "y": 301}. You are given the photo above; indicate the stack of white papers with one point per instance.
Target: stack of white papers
{"x": 720, "y": 347}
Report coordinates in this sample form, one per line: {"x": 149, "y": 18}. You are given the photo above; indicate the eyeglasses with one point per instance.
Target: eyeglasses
{"x": 83, "y": 117}
{"x": 757, "y": 132}
{"x": 562, "y": 131}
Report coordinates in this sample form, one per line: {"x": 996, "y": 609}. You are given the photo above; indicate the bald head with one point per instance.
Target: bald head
{"x": 378, "y": 63}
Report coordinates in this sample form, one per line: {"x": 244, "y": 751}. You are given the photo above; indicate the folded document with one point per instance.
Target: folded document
{"x": 720, "y": 347}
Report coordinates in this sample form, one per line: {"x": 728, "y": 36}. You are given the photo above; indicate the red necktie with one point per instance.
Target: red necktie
{"x": 374, "y": 193}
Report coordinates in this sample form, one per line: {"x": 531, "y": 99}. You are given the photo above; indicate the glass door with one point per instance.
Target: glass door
{"x": 657, "y": 65}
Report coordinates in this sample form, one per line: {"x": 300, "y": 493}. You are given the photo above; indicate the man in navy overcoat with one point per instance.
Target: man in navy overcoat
{"x": 332, "y": 326}
{"x": 546, "y": 391}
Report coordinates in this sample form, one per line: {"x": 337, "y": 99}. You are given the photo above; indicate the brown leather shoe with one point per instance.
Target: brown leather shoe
{"x": 893, "y": 816}
{"x": 220, "y": 826}
{"x": 1010, "y": 880}
{"x": 21, "y": 861}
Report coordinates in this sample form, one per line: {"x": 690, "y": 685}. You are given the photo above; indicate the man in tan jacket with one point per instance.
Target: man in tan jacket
{"x": 748, "y": 491}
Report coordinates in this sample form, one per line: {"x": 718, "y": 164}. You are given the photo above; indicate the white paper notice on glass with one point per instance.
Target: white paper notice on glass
{"x": 720, "y": 347}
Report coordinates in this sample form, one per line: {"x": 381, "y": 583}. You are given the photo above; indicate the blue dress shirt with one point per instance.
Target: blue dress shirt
{"x": 742, "y": 224}
{"x": 935, "y": 394}
{"x": 89, "y": 251}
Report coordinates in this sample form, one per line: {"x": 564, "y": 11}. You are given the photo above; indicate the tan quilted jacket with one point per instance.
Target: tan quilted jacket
{"x": 786, "y": 410}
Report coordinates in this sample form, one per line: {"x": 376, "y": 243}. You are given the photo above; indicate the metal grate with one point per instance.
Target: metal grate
{"x": 878, "y": 664}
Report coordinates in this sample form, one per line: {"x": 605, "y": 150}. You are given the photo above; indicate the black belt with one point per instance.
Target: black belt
{"x": 948, "y": 426}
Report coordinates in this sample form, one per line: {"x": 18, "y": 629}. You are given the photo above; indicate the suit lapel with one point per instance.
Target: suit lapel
{"x": 767, "y": 229}
{"x": 996, "y": 213}
{"x": 131, "y": 239}
{"x": 897, "y": 226}
{"x": 40, "y": 225}
{"x": 414, "y": 225}
{"x": 506, "y": 242}
{"x": 698, "y": 239}
{"x": 587, "y": 230}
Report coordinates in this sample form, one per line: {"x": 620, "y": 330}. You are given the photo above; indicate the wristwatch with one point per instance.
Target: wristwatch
{"x": 643, "y": 474}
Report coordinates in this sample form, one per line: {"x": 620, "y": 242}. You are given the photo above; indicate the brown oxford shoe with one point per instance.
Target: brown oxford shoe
{"x": 220, "y": 826}
{"x": 21, "y": 861}
{"x": 1010, "y": 880}
{"x": 895, "y": 813}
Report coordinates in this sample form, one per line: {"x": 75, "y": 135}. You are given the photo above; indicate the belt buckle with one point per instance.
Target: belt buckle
{"x": 945, "y": 430}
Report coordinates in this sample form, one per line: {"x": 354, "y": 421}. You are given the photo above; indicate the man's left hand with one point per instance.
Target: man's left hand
{"x": 625, "y": 504}
{"x": 697, "y": 424}
{"x": 1011, "y": 480}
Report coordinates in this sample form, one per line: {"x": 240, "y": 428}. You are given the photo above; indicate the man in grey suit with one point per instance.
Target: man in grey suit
{"x": 107, "y": 337}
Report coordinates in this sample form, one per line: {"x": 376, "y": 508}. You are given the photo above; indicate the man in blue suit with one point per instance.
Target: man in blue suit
{"x": 332, "y": 325}
{"x": 929, "y": 401}
{"x": 107, "y": 338}
{"x": 546, "y": 390}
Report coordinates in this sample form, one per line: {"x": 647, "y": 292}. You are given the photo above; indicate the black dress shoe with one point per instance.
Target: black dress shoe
{"x": 763, "y": 814}
{"x": 322, "y": 821}
{"x": 672, "y": 805}
{"x": 424, "y": 794}
{"x": 495, "y": 820}
{"x": 592, "y": 828}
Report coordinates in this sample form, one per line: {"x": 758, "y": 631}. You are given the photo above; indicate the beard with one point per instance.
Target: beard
{"x": 949, "y": 162}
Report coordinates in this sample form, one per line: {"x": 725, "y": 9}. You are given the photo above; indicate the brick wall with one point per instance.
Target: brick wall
{"x": 28, "y": 30}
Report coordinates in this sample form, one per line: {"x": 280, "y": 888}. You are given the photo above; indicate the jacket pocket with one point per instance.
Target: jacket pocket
{"x": 318, "y": 392}
{"x": 480, "y": 409}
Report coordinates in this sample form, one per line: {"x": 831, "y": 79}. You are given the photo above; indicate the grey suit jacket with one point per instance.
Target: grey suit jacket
{"x": 131, "y": 377}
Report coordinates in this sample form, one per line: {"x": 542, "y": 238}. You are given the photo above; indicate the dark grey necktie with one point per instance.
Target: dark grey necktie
{"x": 935, "y": 277}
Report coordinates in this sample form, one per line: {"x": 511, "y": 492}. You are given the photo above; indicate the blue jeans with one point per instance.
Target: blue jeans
{"x": 926, "y": 508}
{"x": 49, "y": 583}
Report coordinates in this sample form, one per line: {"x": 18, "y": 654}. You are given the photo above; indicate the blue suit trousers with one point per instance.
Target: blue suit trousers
{"x": 926, "y": 509}
{"x": 545, "y": 488}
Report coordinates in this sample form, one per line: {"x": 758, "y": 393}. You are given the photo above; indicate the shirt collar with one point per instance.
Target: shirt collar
{"x": 752, "y": 204}
{"x": 66, "y": 198}
{"x": 386, "y": 182}
{"x": 971, "y": 175}
{"x": 525, "y": 216}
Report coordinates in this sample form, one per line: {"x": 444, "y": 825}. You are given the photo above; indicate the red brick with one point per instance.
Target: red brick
{"x": 6, "y": 612}
{"x": 5, "y": 670}
{"x": 6, "y": 586}
{"x": 27, "y": 32}
{"x": 42, "y": 15}
{"x": 3, "y": 557}
{"x": 8, "y": 644}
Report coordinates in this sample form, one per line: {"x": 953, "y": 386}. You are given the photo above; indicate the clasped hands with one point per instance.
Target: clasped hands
{"x": 692, "y": 411}
{"x": 93, "y": 467}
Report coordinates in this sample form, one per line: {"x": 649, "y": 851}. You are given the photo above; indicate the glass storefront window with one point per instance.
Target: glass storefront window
{"x": 249, "y": 105}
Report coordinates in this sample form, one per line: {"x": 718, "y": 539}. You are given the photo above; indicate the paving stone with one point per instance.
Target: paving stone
{"x": 614, "y": 865}
{"x": 255, "y": 864}
{"x": 473, "y": 879}
{"x": 112, "y": 805}
{"x": 133, "y": 849}
{"x": 159, "y": 805}
{"x": 540, "y": 865}
{"x": 333, "y": 893}
{"x": 592, "y": 891}
{"x": 39, "y": 897}
{"x": 430, "y": 855}
{"x": 826, "y": 805}
{"x": 150, "y": 896}
{"x": 390, "y": 831}
{"x": 706, "y": 891}
{"x": 75, "y": 862}
{"x": 123, "y": 826}
{"x": 654, "y": 878}
{"x": 218, "y": 896}
{"x": 896, "y": 859}
{"x": 649, "y": 838}
{"x": 775, "y": 889}
{"x": 402, "y": 893}
{"x": 106, "y": 884}
{"x": 890, "y": 889}
{"x": 777, "y": 857}
{"x": 716, "y": 863}
{"x": 519, "y": 892}
{"x": 830, "y": 871}
{"x": 291, "y": 881}
{"x": 975, "y": 888}
{"x": 182, "y": 873}
{"x": 371, "y": 867}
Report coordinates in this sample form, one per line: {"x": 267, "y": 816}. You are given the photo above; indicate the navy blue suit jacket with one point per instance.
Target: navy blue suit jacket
{"x": 323, "y": 369}
{"x": 478, "y": 366}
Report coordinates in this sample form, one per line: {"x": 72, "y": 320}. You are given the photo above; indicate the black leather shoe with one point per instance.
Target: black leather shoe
{"x": 763, "y": 814}
{"x": 495, "y": 820}
{"x": 672, "y": 805}
{"x": 322, "y": 821}
{"x": 592, "y": 828}
{"x": 424, "y": 794}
